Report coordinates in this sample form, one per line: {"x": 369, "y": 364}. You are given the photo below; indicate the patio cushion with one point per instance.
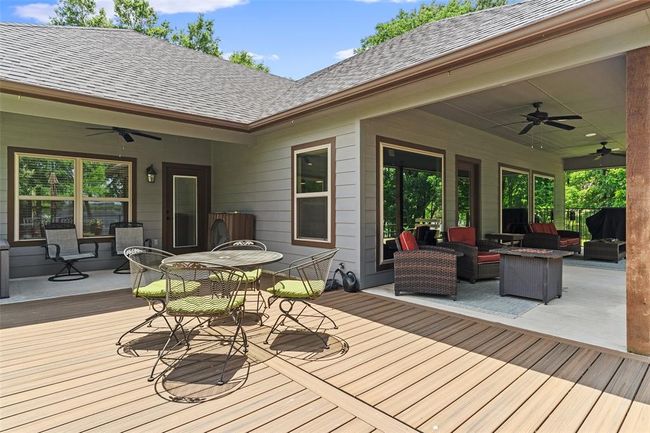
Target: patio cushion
{"x": 565, "y": 242}
{"x": 463, "y": 235}
{"x": 548, "y": 228}
{"x": 158, "y": 288}
{"x": 408, "y": 242}
{"x": 249, "y": 276}
{"x": 295, "y": 289}
{"x": 203, "y": 305}
{"x": 488, "y": 257}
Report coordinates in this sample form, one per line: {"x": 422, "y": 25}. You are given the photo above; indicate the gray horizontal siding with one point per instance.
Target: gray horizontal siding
{"x": 41, "y": 133}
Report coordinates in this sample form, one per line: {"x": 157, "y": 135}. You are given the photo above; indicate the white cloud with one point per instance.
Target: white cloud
{"x": 196, "y": 6}
{"x": 344, "y": 54}
{"x": 39, "y": 12}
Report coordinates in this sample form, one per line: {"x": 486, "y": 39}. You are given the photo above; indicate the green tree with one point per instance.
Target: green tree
{"x": 595, "y": 188}
{"x": 199, "y": 36}
{"x": 138, "y": 15}
{"x": 408, "y": 20}
{"x": 80, "y": 13}
{"x": 245, "y": 58}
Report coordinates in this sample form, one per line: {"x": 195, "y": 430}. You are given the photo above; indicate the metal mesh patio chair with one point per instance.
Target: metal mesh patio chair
{"x": 308, "y": 283}
{"x": 63, "y": 246}
{"x": 203, "y": 291}
{"x": 126, "y": 234}
{"x": 147, "y": 282}
{"x": 252, "y": 277}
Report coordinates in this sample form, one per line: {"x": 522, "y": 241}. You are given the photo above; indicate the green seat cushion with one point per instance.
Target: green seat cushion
{"x": 296, "y": 289}
{"x": 158, "y": 289}
{"x": 202, "y": 305}
{"x": 249, "y": 276}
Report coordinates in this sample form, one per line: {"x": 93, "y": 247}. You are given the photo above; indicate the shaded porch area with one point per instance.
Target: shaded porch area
{"x": 391, "y": 367}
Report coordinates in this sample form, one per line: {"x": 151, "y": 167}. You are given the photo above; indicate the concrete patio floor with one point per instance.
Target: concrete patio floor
{"x": 591, "y": 310}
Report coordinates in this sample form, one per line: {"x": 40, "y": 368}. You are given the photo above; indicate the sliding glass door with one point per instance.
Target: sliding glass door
{"x": 411, "y": 194}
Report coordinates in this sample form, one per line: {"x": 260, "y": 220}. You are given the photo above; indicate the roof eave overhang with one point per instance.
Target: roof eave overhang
{"x": 39, "y": 92}
{"x": 577, "y": 19}
{"x": 573, "y": 20}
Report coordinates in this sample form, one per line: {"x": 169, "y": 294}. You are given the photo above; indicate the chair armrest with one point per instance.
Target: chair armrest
{"x": 487, "y": 245}
{"x": 467, "y": 250}
{"x": 568, "y": 234}
{"x": 47, "y": 251}
{"x": 96, "y": 252}
{"x": 436, "y": 255}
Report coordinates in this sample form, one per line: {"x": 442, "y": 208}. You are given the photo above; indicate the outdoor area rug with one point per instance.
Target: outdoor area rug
{"x": 482, "y": 296}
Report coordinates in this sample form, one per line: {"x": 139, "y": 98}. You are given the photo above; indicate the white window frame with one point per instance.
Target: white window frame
{"x": 387, "y": 145}
{"x": 196, "y": 210}
{"x": 78, "y": 198}
{"x": 296, "y": 195}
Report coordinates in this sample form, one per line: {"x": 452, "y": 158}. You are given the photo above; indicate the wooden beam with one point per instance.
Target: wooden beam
{"x": 638, "y": 201}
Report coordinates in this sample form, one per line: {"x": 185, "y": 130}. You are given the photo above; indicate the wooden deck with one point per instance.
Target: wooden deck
{"x": 391, "y": 367}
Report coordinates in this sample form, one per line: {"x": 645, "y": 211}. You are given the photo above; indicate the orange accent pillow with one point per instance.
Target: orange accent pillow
{"x": 463, "y": 235}
{"x": 408, "y": 242}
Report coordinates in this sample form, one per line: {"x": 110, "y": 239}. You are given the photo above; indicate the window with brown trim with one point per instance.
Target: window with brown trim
{"x": 91, "y": 191}
{"x": 313, "y": 194}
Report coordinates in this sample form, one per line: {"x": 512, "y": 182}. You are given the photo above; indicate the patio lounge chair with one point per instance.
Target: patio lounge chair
{"x": 477, "y": 262}
{"x": 308, "y": 283}
{"x": 148, "y": 282}
{"x": 64, "y": 246}
{"x": 431, "y": 270}
{"x": 203, "y": 291}
{"x": 126, "y": 234}
{"x": 545, "y": 235}
{"x": 251, "y": 278}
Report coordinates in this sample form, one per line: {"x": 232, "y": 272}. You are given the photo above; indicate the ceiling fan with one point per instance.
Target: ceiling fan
{"x": 604, "y": 150}
{"x": 540, "y": 117}
{"x": 126, "y": 134}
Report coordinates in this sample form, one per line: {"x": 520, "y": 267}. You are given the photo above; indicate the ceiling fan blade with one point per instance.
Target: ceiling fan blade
{"x": 142, "y": 134}
{"x": 617, "y": 153}
{"x": 526, "y": 128}
{"x": 567, "y": 117}
{"x": 99, "y": 133}
{"x": 559, "y": 125}
{"x": 598, "y": 157}
{"x": 127, "y": 137}
{"x": 100, "y": 129}
{"x": 508, "y": 124}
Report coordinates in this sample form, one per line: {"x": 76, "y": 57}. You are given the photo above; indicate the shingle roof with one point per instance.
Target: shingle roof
{"x": 126, "y": 66}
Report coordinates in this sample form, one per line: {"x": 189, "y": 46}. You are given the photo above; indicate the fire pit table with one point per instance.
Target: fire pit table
{"x": 531, "y": 272}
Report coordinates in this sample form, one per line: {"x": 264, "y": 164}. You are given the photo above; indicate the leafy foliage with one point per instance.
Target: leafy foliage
{"x": 245, "y": 58}
{"x": 544, "y": 189}
{"x": 408, "y": 20}
{"x": 138, "y": 15}
{"x": 514, "y": 190}
{"x": 595, "y": 188}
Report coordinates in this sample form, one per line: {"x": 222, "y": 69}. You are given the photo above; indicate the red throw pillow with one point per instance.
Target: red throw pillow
{"x": 463, "y": 235}
{"x": 408, "y": 242}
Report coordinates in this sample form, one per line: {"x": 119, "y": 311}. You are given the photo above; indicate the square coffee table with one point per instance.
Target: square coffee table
{"x": 531, "y": 272}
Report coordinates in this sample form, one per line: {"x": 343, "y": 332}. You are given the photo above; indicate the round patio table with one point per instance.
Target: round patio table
{"x": 240, "y": 259}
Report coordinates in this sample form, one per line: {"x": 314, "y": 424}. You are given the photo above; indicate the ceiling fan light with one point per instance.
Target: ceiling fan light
{"x": 590, "y": 134}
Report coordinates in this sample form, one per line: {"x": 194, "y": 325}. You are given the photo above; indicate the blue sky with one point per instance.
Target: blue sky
{"x": 293, "y": 37}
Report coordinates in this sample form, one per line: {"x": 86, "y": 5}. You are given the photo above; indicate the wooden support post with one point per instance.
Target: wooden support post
{"x": 638, "y": 201}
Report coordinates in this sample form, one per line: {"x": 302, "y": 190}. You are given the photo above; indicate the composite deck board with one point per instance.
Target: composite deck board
{"x": 407, "y": 368}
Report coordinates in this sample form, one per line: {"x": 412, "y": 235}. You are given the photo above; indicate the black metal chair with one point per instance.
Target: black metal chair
{"x": 126, "y": 234}
{"x": 308, "y": 283}
{"x": 251, "y": 278}
{"x": 63, "y": 246}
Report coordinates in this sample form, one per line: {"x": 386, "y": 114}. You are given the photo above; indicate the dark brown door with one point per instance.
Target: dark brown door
{"x": 468, "y": 192}
{"x": 186, "y": 203}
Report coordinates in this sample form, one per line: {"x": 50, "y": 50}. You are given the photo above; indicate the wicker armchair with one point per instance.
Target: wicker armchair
{"x": 431, "y": 271}
{"x": 477, "y": 262}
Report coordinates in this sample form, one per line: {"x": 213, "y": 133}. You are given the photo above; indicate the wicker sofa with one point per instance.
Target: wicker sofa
{"x": 430, "y": 270}
{"x": 477, "y": 262}
{"x": 545, "y": 235}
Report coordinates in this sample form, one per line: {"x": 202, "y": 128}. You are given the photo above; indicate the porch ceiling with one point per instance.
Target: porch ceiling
{"x": 595, "y": 91}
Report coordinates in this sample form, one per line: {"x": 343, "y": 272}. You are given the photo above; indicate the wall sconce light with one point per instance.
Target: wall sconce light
{"x": 151, "y": 174}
